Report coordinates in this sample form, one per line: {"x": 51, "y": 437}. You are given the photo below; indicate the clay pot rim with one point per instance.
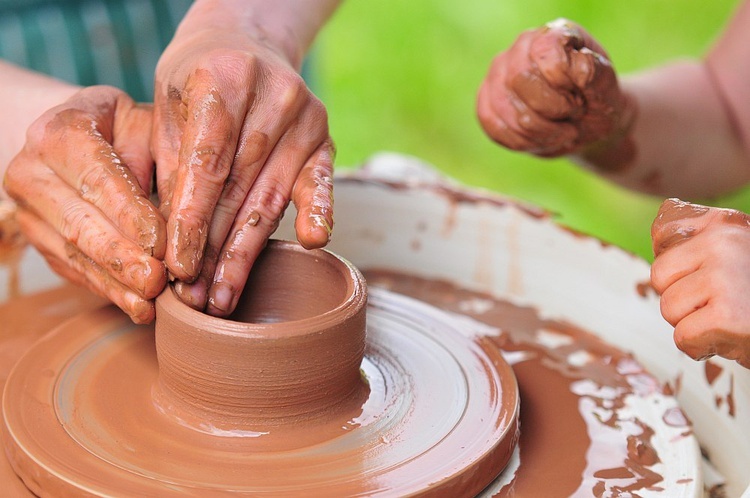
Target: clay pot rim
{"x": 355, "y": 299}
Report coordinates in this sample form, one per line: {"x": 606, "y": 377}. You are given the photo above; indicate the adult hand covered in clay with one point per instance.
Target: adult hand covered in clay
{"x": 702, "y": 271}
{"x": 554, "y": 92}
{"x": 237, "y": 134}
{"x": 80, "y": 183}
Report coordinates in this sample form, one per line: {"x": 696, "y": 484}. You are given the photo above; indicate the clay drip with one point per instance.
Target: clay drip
{"x": 291, "y": 353}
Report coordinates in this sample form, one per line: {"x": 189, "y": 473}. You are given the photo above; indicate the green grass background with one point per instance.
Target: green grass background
{"x": 402, "y": 75}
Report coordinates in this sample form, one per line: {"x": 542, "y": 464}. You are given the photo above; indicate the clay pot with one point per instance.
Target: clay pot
{"x": 291, "y": 351}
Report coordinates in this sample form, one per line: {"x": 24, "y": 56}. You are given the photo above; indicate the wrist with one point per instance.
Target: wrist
{"x": 616, "y": 151}
{"x": 276, "y": 25}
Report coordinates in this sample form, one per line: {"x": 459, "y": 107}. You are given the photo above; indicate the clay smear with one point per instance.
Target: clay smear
{"x": 18, "y": 333}
{"x": 580, "y": 423}
{"x": 676, "y": 222}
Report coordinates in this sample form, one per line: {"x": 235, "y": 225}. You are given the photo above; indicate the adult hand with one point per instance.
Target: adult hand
{"x": 237, "y": 134}
{"x": 702, "y": 271}
{"x": 81, "y": 183}
{"x": 552, "y": 93}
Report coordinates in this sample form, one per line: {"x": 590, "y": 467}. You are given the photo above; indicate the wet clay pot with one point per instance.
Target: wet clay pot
{"x": 290, "y": 353}
{"x": 284, "y": 398}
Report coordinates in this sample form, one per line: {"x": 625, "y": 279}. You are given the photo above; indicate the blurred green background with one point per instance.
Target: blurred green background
{"x": 402, "y": 75}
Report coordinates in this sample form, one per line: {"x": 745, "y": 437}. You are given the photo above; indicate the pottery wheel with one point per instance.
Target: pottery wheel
{"x": 441, "y": 416}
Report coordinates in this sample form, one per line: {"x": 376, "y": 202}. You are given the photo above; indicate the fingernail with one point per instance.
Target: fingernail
{"x": 147, "y": 277}
{"x": 137, "y": 273}
{"x": 221, "y": 297}
{"x": 194, "y": 295}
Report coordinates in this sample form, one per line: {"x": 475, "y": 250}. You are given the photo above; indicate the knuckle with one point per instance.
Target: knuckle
{"x": 666, "y": 306}
{"x": 688, "y": 340}
{"x": 269, "y": 199}
{"x": 13, "y": 179}
{"x": 252, "y": 148}
{"x": 92, "y": 183}
{"x": 724, "y": 314}
{"x": 235, "y": 65}
{"x": 685, "y": 344}
{"x": 319, "y": 112}
{"x": 73, "y": 217}
{"x": 236, "y": 252}
{"x": 36, "y": 131}
{"x": 658, "y": 275}
{"x": 485, "y": 115}
{"x": 293, "y": 90}
{"x": 214, "y": 163}
{"x": 234, "y": 192}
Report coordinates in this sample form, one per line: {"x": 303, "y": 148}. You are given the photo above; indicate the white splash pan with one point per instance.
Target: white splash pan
{"x": 396, "y": 212}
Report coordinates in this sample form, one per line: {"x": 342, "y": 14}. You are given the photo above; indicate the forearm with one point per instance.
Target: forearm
{"x": 691, "y": 134}
{"x": 24, "y": 96}
{"x": 683, "y": 140}
{"x": 290, "y": 26}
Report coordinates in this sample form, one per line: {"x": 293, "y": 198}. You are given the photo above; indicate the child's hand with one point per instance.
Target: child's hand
{"x": 702, "y": 271}
{"x": 552, "y": 93}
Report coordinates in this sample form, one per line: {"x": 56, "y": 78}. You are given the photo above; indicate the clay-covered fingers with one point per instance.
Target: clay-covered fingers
{"x": 283, "y": 127}
{"x": 82, "y": 174}
{"x": 508, "y": 121}
{"x": 313, "y": 197}
{"x": 575, "y": 64}
{"x": 685, "y": 295}
{"x": 678, "y": 221}
{"x": 545, "y": 94}
{"x": 566, "y": 56}
{"x": 97, "y": 144}
{"x": 212, "y": 112}
{"x": 66, "y": 259}
{"x": 516, "y": 106}
{"x": 245, "y": 126}
{"x": 701, "y": 272}
{"x": 80, "y": 222}
{"x": 304, "y": 149}
{"x": 700, "y": 335}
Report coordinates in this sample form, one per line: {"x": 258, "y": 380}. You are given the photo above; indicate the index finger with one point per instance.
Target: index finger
{"x": 206, "y": 154}
{"x": 313, "y": 197}
{"x": 103, "y": 179}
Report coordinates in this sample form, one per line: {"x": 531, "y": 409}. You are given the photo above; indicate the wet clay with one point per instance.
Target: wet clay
{"x": 291, "y": 352}
{"x": 673, "y": 223}
{"x": 678, "y": 221}
{"x": 576, "y": 429}
{"x": 432, "y": 409}
{"x": 18, "y": 334}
